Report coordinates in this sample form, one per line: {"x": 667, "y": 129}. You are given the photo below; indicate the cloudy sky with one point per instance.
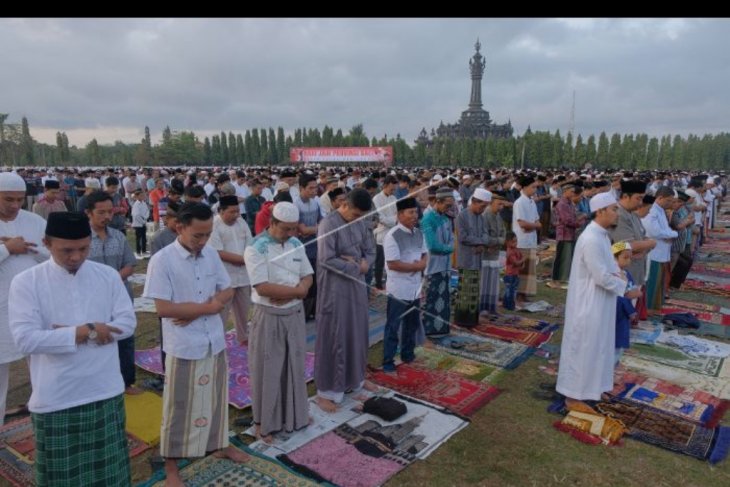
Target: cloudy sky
{"x": 109, "y": 78}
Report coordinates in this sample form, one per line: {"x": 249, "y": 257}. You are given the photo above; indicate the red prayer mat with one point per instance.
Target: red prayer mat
{"x": 526, "y": 337}
{"x": 707, "y": 316}
{"x": 452, "y": 391}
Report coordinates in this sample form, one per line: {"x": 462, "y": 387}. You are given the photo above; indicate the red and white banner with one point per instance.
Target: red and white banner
{"x": 342, "y": 154}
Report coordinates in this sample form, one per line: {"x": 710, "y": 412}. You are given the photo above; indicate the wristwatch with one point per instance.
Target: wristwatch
{"x": 92, "y": 331}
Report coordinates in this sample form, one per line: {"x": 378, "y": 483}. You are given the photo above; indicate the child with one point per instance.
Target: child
{"x": 514, "y": 262}
{"x": 140, "y": 215}
{"x": 625, "y": 312}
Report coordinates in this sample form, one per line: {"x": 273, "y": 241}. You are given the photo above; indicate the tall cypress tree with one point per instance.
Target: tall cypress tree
{"x": 241, "y": 150}
{"x": 225, "y": 153}
{"x": 207, "y": 151}
{"x": 26, "y": 144}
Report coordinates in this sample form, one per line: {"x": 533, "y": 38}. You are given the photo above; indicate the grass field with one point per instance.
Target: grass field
{"x": 511, "y": 442}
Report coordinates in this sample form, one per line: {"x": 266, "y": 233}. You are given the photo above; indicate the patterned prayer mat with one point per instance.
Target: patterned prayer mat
{"x": 484, "y": 349}
{"x": 624, "y": 377}
{"x": 514, "y": 321}
{"x": 716, "y": 385}
{"x": 367, "y": 450}
{"x": 712, "y": 317}
{"x": 446, "y": 389}
{"x": 259, "y": 471}
{"x": 239, "y": 390}
{"x": 673, "y": 357}
{"x": 669, "y": 431}
{"x": 431, "y": 359}
{"x": 510, "y": 334}
{"x": 690, "y": 410}
{"x": 722, "y": 290}
{"x": 17, "y": 451}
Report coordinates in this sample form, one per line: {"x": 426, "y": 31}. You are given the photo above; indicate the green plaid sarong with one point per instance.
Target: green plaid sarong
{"x": 82, "y": 446}
{"x": 466, "y": 308}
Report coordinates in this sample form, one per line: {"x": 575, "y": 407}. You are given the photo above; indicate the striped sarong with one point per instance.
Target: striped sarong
{"x": 655, "y": 286}
{"x": 528, "y": 273}
{"x": 83, "y": 445}
{"x": 466, "y": 307}
{"x": 489, "y": 286}
{"x": 563, "y": 260}
{"x": 437, "y": 308}
{"x": 194, "y": 406}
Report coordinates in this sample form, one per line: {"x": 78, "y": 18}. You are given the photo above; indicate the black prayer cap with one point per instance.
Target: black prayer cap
{"x": 526, "y": 181}
{"x": 406, "y": 203}
{"x": 600, "y": 184}
{"x": 227, "y": 200}
{"x": 648, "y": 199}
{"x": 683, "y": 196}
{"x": 288, "y": 173}
{"x": 69, "y": 225}
{"x": 633, "y": 187}
{"x": 51, "y": 184}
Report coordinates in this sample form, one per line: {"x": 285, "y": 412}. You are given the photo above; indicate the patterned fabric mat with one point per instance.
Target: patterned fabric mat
{"x": 445, "y": 389}
{"x": 239, "y": 390}
{"x": 484, "y": 349}
{"x": 366, "y": 451}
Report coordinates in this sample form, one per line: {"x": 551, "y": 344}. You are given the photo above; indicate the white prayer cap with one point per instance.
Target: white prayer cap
{"x": 286, "y": 212}
{"x": 601, "y": 201}
{"x": 482, "y": 194}
{"x": 10, "y": 181}
{"x": 691, "y": 193}
{"x": 92, "y": 183}
{"x": 281, "y": 186}
{"x": 711, "y": 180}
{"x": 436, "y": 178}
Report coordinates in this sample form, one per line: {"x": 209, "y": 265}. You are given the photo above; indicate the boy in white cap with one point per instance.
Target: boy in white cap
{"x": 280, "y": 276}
{"x": 588, "y": 347}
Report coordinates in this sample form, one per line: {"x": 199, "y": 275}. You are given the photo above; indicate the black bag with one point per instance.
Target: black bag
{"x": 386, "y": 408}
{"x": 680, "y": 271}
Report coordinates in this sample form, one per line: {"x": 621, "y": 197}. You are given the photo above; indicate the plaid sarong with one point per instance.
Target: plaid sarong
{"x": 528, "y": 273}
{"x": 84, "y": 445}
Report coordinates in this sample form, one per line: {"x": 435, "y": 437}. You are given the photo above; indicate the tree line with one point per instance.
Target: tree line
{"x": 261, "y": 146}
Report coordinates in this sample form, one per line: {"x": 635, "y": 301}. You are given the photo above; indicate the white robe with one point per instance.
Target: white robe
{"x": 32, "y": 228}
{"x": 589, "y": 338}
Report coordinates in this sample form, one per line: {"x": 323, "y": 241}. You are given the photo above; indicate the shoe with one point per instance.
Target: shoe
{"x": 389, "y": 368}
{"x": 147, "y": 255}
{"x": 137, "y": 256}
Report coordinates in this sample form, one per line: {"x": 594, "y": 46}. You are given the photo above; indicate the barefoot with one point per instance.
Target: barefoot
{"x": 268, "y": 439}
{"x": 234, "y": 454}
{"x": 326, "y": 405}
{"x": 361, "y": 397}
{"x": 133, "y": 391}
{"x": 369, "y": 386}
{"x": 579, "y": 406}
{"x": 172, "y": 474}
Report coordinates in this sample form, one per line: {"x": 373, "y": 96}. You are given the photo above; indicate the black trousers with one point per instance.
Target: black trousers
{"x": 379, "y": 266}
{"x": 141, "y": 235}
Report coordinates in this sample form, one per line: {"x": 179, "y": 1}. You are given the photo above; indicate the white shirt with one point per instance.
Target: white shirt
{"x": 408, "y": 247}
{"x": 234, "y": 239}
{"x": 270, "y": 261}
{"x": 140, "y": 213}
{"x": 209, "y": 188}
{"x": 242, "y": 191}
{"x": 32, "y": 228}
{"x": 63, "y": 374}
{"x": 267, "y": 193}
{"x": 656, "y": 226}
{"x": 587, "y": 352}
{"x": 525, "y": 209}
{"x": 388, "y": 214}
{"x": 176, "y": 275}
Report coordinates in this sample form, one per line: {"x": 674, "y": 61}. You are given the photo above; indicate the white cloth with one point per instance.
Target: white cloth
{"x": 176, "y": 275}
{"x": 62, "y": 374}
{"x": 656, "y": 226}
{"x": 270, "y": 261}
{"x": 267, "y": 194}
{"x": 32, "y": 228}
{"x": 387, "y": 213}
{"x": 403, "y": 285}
{"x": 10, "y": 181}
{"x": 587, "y": 350}
{"x": 525, "y": 209}
{"x": 234, "y": 239}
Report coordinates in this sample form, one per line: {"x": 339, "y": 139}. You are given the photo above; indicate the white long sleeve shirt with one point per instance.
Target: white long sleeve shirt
{"x": 140, "y": 214}
{"x": 388, "y": 214}
{"x": 657, "y": 227}
{"x": 525, "y": 209}
{"x": 63, "y": 374}
{"x": 32, "y": 228}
